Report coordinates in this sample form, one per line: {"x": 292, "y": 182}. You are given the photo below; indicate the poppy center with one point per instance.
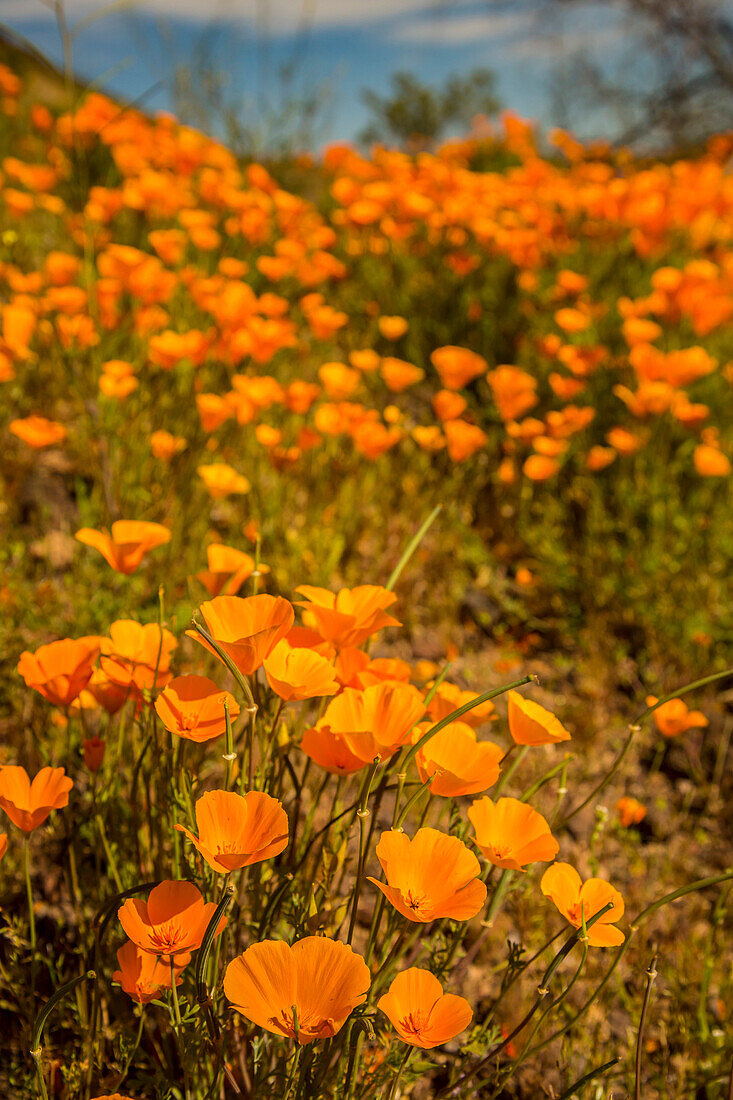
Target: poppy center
{"x": 419, "y": 903}
{"x": 414, "y": 1023}
{"x": 167, "y": 940}
{"x": 308, "y": 1024}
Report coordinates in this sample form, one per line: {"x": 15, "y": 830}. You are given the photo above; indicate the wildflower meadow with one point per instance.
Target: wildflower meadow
{"x": 366, "y": 636}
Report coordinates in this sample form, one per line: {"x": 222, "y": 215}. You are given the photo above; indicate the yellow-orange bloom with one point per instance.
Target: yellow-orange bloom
{"x": 350, "y": 616}
{"x": 630, "y": 811}
{"x": 330, "y": 751}
{"x": 710, "y": 461}
{"x": 459, "y": 763}
{"x": 171, "y": 922}
{"x": 228, "y": 569}
{"x": 137, "y": 656}
{"x": 37, "y": 431}
{"x": 246, "y": 628}
{"x": 433, "y": 875}
{"x": 193, "y": 708}
{"x": 511, "y": 834}
{"x": 457, "y": 366}
{"x": 166, "y": 446}
{"x": 392, "y": 328}
{"x": 531, "y": 724}
{"x": 127, "y": 544}
{"x": 222, "y": 481}
{"x": 450, "y": 697}
{"x": 419, "y": 1011}
{"x": 27, "y": 803}
{"x": 304, "y": 992}
{"x": 376, "y": 721}
{"x": 237, "y": 830}
{"x": 578, "y": 900}
{"x": 142, "y": 976}
{"x": 297, "y": 673}
{"x": 60, "y": 670}
{"x": 674, "y": 717}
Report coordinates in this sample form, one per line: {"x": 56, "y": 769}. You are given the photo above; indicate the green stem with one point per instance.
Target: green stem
{"x": 230, "y": 756}
{"x": 411, "y": 802}
{"x": 362, "y": 813}
{"x": 29, "y": 891}
{"x": 412, "y": 547}
{"x": 131, "y": 1055}
{"x": 650, "y": 976}
{"x": 498, "y": 895}
{"x": 458, "y": 713}
{"x": 403, "y": 1064}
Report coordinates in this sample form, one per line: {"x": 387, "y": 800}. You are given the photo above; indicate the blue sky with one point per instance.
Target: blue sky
{"x": 133, "y": 48}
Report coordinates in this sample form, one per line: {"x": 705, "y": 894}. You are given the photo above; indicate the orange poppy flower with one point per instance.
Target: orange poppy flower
{"x": 572, "y": 320}
{"x": 376, "y": 721}
{"x": 112, "y": 1096}
{"x": 339, "y": 381}
{"x": 166, "y": 446}
{"x": 460, "y": 764}
{"x": 599, "y": 457}
{"x": 710, "y": 461}
{"x": 142, "y": 976}
{"x": 93, "y": 749}
{"x": 365, "y": 360}
{"x": 399, "y": 375}
{"x": 247, "y": 629}
{"x": 3, "y": 844}
{"x": 60, "y": 670}
{"x": 193, "y": 708}
{"x": 457, "y": 366}
{"x": 450, "y": 697}
{"x": 577, "y": 899}
{"x": 463, "y": 440}
{"x": 514, "y": 391}
{"x": 433, "y": 875}
{"x": 511, "y": 834}
{"x": 137, "y": 657}
{"x": 304, "y": 992}
{"x": 630, "y": 811}
{"x": 448, "y": 405}
{"x": 228, "y": 569}
{"x": 127, "y": 544}
{"x": 171, "y": 922}
{"x": 350, "y": 616}
{"x": 392, "y": 328}
{"x": 419, "y": 1011}
{"x": 531, "y": 724}
{"x": 237, "y": 830}
{"x": 297, "y": 673}
{"x": 213, "y": 410}
{"x": 222, "y": 481}
{"x": 540, "y": 467}
{"x": 330, "y": 751}
{"x": 37, "y": 431}
{"x": 674, "y": 717}
{"x": 27, "y": 803}
{"x": 104, "y": 692}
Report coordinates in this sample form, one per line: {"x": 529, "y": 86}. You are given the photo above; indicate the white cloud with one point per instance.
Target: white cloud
{"x": 464, "y": 29}
{"x": 279, "y": 16}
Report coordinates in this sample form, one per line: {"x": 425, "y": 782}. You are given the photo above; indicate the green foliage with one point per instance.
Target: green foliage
{"x": 418, "y": 114}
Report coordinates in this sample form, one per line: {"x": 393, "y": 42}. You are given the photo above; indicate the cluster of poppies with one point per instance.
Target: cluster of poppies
{"x": 375, "y": 717}
{"x": 268, "y": 278}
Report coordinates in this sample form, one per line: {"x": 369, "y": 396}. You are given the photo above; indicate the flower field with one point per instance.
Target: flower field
{"x": 366, "y": 539}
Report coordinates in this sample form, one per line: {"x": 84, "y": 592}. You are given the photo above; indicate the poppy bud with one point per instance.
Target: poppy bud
{"x": 93, "y": 749}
